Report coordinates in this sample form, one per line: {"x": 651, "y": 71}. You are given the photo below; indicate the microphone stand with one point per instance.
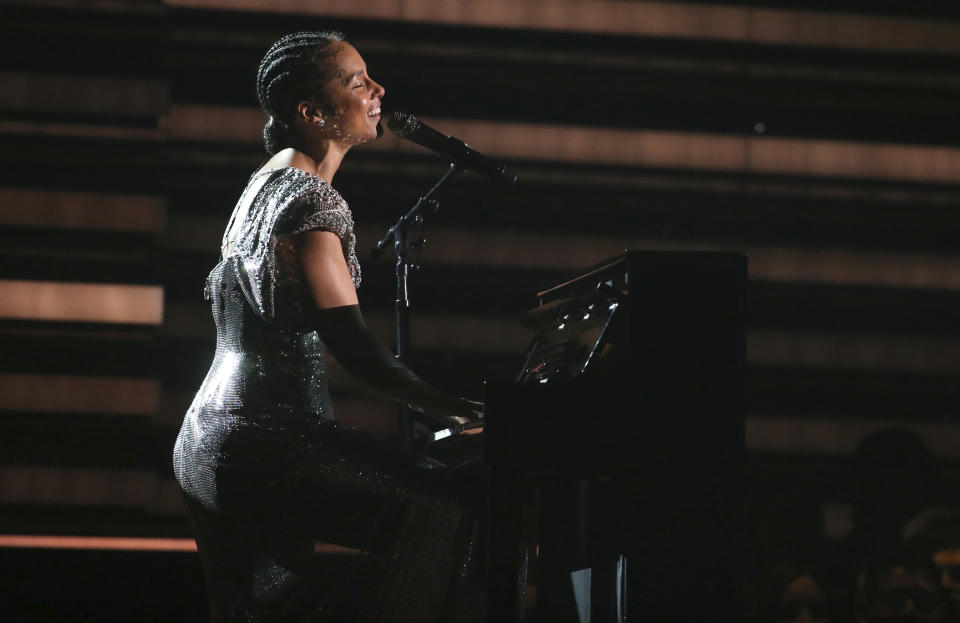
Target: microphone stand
{"x": 398, "y": 235}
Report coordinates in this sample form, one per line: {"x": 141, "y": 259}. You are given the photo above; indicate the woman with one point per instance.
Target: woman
{"x": 266, "y": 470}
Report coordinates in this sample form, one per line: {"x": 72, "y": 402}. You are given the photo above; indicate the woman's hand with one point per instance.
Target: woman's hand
{"x": 476, "y": 409}
{"x": 458, "y": 417}
{"x": 453, "y": 412}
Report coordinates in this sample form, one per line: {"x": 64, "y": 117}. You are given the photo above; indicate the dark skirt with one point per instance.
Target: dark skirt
{"x": 410, "y": 525}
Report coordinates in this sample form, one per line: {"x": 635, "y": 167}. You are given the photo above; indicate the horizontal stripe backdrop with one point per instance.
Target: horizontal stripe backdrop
{"x": 823, "y": 144}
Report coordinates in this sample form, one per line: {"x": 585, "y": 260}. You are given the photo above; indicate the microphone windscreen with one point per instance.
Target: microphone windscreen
{"x": 403, "y": 124}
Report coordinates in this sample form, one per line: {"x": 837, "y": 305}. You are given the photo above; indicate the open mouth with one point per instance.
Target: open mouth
{"x": 375, "y": 113}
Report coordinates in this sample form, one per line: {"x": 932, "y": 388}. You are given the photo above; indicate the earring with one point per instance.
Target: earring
{"x": 320, "y": 123}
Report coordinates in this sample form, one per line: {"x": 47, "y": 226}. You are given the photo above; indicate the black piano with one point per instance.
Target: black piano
{"x": 616, "y": 456}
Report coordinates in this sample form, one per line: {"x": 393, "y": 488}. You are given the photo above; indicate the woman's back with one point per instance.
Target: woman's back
{"x": 268, "y": 372}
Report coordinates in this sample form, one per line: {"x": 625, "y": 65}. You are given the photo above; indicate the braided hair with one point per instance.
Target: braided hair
{"x": 294, "y": 69}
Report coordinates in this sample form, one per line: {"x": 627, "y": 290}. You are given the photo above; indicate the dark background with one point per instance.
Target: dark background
{"x": 849, "y": 210}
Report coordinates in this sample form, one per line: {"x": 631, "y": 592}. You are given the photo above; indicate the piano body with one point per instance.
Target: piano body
{"x": 625, "y": 427}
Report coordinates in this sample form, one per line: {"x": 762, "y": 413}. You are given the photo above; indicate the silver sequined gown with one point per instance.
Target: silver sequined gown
{"x": 268, "y": 473}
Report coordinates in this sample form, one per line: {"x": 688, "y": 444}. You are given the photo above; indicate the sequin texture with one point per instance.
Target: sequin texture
{"x": 267, "y": 471}
{"x": 290, "y": 201}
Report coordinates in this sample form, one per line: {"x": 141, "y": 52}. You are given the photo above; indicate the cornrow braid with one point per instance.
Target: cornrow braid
{"x": 293, "y": 70}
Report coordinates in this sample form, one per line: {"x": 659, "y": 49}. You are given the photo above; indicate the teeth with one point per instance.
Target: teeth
{"x": 375, "y": 111}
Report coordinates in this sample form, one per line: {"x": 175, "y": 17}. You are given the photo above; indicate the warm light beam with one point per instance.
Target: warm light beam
{"x": 681, "y": 20}
{"x": 136, "y": 544}
{"x": 81, "y": 302}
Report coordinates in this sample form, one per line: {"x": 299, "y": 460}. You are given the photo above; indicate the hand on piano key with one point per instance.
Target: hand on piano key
{"x": 467, "y": 427}
{"x": 465, "y": 417}
{"x": 451, "y": 412}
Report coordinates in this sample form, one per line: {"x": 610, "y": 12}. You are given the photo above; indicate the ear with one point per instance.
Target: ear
{"x": 310, "y": 113}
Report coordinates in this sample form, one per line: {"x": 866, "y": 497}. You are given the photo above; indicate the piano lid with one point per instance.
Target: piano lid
{"x": 614, "y": 272}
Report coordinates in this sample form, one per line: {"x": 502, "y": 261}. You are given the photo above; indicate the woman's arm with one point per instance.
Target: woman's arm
{"x": 325, "y": 272}
{"x": 337, "y": 319}
{"x": 339, "y": 378}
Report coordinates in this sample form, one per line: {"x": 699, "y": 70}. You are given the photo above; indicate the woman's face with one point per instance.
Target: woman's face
{"x": 354, "y": 95}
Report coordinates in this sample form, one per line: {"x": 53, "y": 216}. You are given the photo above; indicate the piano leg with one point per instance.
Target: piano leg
{"x": 582, "y": 579}
{"x": 609, "y": 590}
{"x": 563, "y": 586}
{"x": 507, "y": 579}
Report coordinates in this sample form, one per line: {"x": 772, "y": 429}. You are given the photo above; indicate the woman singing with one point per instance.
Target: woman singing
{"x": 266, "y": 470}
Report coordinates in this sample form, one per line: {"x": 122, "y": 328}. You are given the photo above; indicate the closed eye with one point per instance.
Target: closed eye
{"x": 355, "y": 76}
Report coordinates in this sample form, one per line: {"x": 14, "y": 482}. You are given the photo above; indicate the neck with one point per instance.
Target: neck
{"x": 323, "y": 160}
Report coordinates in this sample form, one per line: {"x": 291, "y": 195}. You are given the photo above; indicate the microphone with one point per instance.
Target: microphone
{"x": 411, "y": 128}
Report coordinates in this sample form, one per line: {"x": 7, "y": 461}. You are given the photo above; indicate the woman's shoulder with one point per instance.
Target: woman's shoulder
{"x": 294, "y": 180}
{"x": 301, "y": 200}
{"x": 295, "y": 190}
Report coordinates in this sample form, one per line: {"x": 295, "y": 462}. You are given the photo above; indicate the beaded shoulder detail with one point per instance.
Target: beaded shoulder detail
{"x": 290, "y": 201}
